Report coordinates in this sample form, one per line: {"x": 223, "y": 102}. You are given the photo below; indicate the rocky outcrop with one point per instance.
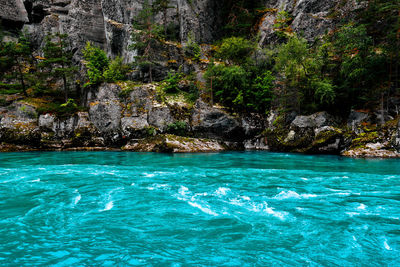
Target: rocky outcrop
{"x": 212, "y": 122}
{"x": 316, "y": 133}
{"x": 372, "y": 150}
{"x": 311, "y": 18}
{"x": 120, "y": 114}
{"x": 13, "y": 10}
{"x": 173, "y": 144}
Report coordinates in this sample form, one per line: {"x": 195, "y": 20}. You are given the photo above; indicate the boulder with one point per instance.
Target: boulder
{"x": 13, "y": 10}
{"x": 105, "y": 111}
{"x": 46, "y": 122}
{"x": 356, "y": 118}
{"x": 160, "y": 117}
{"x": 212, "y": 122}
{"x": 315, "y": 120}
{"x": 257, "y": 143}
{"x": 253, "y": 124}
{"x": 134, "y": 127}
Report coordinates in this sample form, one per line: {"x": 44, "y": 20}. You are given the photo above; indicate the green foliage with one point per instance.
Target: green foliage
{"x": 360, "y": 67}
{"x": 240, "y": 16}
{"x": 16, "y": 64}
{"x": 234, "y": 87}
{"x": 171, "y": 82}
{"x": 116, "y": 71}
{"x": 146, "y": 36}
{"x": 192, "y": 49}
{"x": 294, "y": 60}
{"x": 96, "y": 63}
{"x": 324, "y": 91}
{"x": 162, "y": 6}
{"x": 62, "y": 110}
{"x": 261, "y": 93}
{"x": 306, "y": 85}
{"x": 57, "y": 62}
{"x": 281, "y": 26}
{"x": 177, "y": 128}
{"x": 235, "y": 49}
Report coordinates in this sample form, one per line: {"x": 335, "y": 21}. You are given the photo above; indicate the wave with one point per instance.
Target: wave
{"x": 108, "y": 206}
{"x": 222, "y": 191}
{"x": 203, "y": 209}
{"x": 292, "y": 194}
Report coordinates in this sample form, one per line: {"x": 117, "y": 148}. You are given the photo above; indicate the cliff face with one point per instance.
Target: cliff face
{"x": 107, "y": 22}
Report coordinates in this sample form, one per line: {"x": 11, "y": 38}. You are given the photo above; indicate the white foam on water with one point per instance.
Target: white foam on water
{"x": 108, "y": 206}
{"x": 236, "y": 202}
{"x": 158, "y": 186}
{"x": 245, "y": 198}
{"x": 292, "y": 194}
{"x": 278, "y": 214}
{"x": 77, "y": 199}
{"x": 386, "y": 245}
{"x": 203, "y": 209}
{"x": 222, "y": 191}
{"x": 256, "y": 207}
{"x": 183, "y": 190}
{"x": 35, "y": 181}
{"x": 361, "y": 207}
{"x": 304, "y": 179}
{"x": 133, "y": 184}
{"x": 149, "y": 175}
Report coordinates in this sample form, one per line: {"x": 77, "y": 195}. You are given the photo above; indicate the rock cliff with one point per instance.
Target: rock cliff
{"x": 107, "y": 22}
{"x": 135, "y": 118}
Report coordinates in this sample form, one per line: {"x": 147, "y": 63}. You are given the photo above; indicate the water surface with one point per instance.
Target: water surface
{"x": 230, "y": 209}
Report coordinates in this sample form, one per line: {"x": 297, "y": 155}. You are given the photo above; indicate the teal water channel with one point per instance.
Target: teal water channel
{"x": 222, "y": 209}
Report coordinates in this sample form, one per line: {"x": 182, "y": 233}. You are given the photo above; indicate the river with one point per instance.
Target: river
{"x": 217, "y": 209}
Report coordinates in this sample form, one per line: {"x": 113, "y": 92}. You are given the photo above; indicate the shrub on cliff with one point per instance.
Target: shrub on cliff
{"x": 116, "y": 71}
{"x": 96, "y": 63}
{"x": 235, "y": 50}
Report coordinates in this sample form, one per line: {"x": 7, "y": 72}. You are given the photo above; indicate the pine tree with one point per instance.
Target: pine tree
{"x": 162, "y": 6}
{"x": 146, "y": 36}
{"x": 16, "y": 62}
{"x": 58, "y": 59}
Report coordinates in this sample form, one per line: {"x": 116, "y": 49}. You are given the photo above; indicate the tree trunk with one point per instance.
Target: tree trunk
{"x": 21, "y": 78}
{"x": 382, "y": 109}
{"x": 151, "y": 73}
{"x": 65, "y": 88}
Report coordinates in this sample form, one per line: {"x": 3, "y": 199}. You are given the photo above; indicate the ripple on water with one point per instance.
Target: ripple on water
{"x": 250, "y": 209}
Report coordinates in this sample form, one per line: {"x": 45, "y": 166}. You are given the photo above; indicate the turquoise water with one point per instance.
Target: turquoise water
{"x": 227, "y": 209}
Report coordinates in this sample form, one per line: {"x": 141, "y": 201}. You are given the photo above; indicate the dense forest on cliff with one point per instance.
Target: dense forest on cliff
{"x": 236, "y": 58}
{"x": 354, "y": 65}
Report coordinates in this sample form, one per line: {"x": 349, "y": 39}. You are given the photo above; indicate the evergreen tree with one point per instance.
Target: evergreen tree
{"x": 16, "y": 63}
{"x": 146, "y": 36}
{"x": 57, "y": 60}
{"x": 162, "y": 6}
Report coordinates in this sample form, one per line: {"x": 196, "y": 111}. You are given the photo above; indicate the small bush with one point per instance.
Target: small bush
{"x": 97, "y": 63}
{"x": 192, "y": 49}
{"x": 177, "y": 128}
{"x": 235, "y": 49}
{"x": 171, "y": 84}
{"x": 116, "y": 71}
